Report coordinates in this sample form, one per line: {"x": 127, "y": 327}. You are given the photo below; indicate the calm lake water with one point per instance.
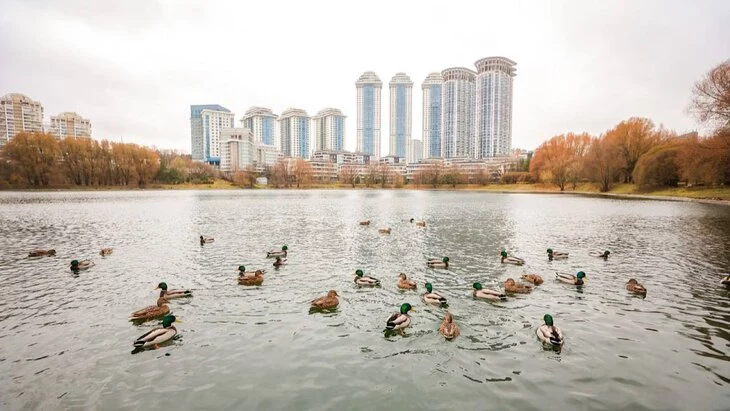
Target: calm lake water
{"x": 65, "y": 340}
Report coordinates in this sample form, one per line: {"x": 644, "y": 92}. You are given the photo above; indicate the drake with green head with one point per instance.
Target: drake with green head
{"x": 171, "y": 294}
{"x": 507, "y": 259}
{"x": 487, "y": 294}
{"x": 256, "y": 279}
{"x": 556, "y": 255}
{"x": 549, "y": 335}
{"x": 157, "y": 336}
{"x": 77, "y": 265}
{"x": 600, "y": 254}
{"x": 726, "y": 282}
{"x": 243, "y": 273}
{"x": 400, "y": 320}
{"x": 361, "y": 279}
{"x": 576, "y": 279}
{"x": 433, "y": 297}
{"x": 275, "y": 253}
{"x": 436, "y": 263}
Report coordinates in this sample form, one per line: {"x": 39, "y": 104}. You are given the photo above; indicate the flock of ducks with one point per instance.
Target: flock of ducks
{"x": 548, "y": 333}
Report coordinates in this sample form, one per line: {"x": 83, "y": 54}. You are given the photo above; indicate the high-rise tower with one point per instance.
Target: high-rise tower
{"x": 457, "y": 113}
{"x": 431, "y": 137}
{"x": 369, "y": 88}
{"x": 328, "y": 130}
{"x": 294, "y": 133}
{"x": 401, "y": 115}
{"x": 493, "y": 115}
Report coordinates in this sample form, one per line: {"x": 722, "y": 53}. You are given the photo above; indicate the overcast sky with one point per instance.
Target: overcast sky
{"x": 134, "y": 67}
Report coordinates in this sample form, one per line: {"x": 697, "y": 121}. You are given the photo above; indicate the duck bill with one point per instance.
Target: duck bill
{"x": 178, "y": 321}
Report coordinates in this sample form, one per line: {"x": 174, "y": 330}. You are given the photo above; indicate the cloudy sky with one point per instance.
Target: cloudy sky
{"x": 134, "y": 67}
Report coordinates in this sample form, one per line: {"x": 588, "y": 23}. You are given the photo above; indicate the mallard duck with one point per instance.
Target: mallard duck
{"x": 77, "y": 265}
{"x": 243, "y": 273}
{"x": 105, "y": 252}
{"x": 572, "y": 279}
{"x": 532, "y": 278}
{"x": 256, "y": 279}
{"x": 365, "y": 222}
{"x": 448, "y": 328}
{"x": 42, "y": 253}
{"x": 400, "y": 320}
{"x": 361, "y": 279}
{"x": 436, "y": 263}
{"x": 600, "y": 254}
{"x": 279, "y": 262}
{"x": 275, "y": 253}
{"x": 556, "y": 255}
{"x": 384, "y": 230}
{"x": 633, "y": 286}
{"x": 511, "y": 260}
{"x": 159, "y": 335}
{"x": 205, "y": 240}
{"x": 418, "y": 223}
{"x": 328, "y": 301}
{"x": 432, "y": 297}
{"x": 405, "y": 283}
{"x": 152, "y": 311}
{"x": 487, "y": 294}
{"x": 549, "y": 335}
{"x": 726, "y": 282}
{"x": 171, "y": 294}
{"x": 511, "y": 286}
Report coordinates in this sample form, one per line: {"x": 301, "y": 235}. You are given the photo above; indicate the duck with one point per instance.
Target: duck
{"x": 556, "y": 255}
{"x": 572, "y": 279}
{"x": 600, "y": 254}
{"x": 384, "y": 230}
{"x": 511, "y": 260}
{"x": 256, "y": 279}
{"x": 42, "y": 253}
{"x": 535, "y": 279}
{"x": 152, "y": 311}
{"x": 436, "y": 263}
{"x": 400, "y": 320}
{"x": 243, "y": 273}
{"x": 487, "y": 294}
{"x": 511, "y": 286}
{"x": 77, "y": 265}
{"x": 105, "y": 252}
{"x": 361, "y": 279}
{"x": 205, "y": 240}
{"x": 404, "y": 283}
{"x": 448, "y": 328}
{"x": 275, "y": 253}
{"x": 171, "y": 294}
{"x": 157, "y": 336}
{"x": 633, "y": 286}
{"x": 418, "y": 223}
{"x": 550, "y": 335}
{"x": 365, "y": 222}
{"x": 726, "y": 282}
{"x": 279, "y": 262}
{"x": 328, "y": 301}
{"x": 432, "y": 297}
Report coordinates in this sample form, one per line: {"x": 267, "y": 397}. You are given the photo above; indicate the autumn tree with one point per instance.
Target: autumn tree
{"x": 633, "y": 138}
{"x": 602, "y": 163}
{"x": 302, "y": 173}
{"x": 658, "y": 167}
{"x": 384, "y": 174}
{"x": 452, "y": 176}
{"x": 711, "y": 97}
{"x": 347, "y": 175}
{"x": 560, "y": 159}
{"x": 371, "y": 177}
{"x": 33, "y": 156}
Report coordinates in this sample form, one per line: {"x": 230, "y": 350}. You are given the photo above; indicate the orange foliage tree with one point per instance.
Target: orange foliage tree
{"x": 33, "y": 157}
{"x": 560, "y": 159}
{"x": 632, "y": 138}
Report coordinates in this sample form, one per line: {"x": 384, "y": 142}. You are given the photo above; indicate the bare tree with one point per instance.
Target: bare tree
{"x": 711, "y": 96}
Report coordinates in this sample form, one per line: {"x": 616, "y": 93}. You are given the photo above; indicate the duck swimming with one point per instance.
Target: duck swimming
{"x": 487, "y": 294}
{"x": 633, "y": 286}
{"x": 42, "y": 253}
{"x": 361, "y": 279}
{"x": 105, "y": 252}
{"x": 384, "y": 230}
{"x": 256, "y": 279}
{"x": 511, "y": 260}
{"x": 243, "y": 273}
{"x": 436, "y": 263}
{"x": 535, "y": 279}
{"x": 511, "y": 286}
{"x": 726, "y": 282}
{"x": 365, "y": 222}
{"x": 157, "y": 336}
{"x": 205, "y": 240}
{"x": 549, "y": 335}
{"x": 448, "y": 328}
{"x": 328, "y": 301}
{"x": 556, "y": 255}
{"x": 152, "y": 311}
{"x": 418, "y": 223}
{"x": 400, "y": 320}
{"x": 404, "y": 283}
{"x": 171, "y": 294}
{"x": 279, "y": 262}
{"x": 275, "y": 253}
{"x": 77, "y": 265}
{"x": 432, "y": 297}
{"x": 572, "y": 279}
{"x": 599, "y": 254}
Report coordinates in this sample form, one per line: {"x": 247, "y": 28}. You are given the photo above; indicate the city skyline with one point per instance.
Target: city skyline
{"x": 568, "y": 68}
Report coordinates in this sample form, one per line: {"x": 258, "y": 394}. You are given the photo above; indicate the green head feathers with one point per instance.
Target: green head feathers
{"x": 429, "y": 287}
{"x": 580, "y": 274}
{"x": 549, "y": 250}
{"x": 284, "y": 247}
{"x": 405, "y": 308}
{"x": 477, "y": 286}
{"x": 503, "y": 253}
{"x": 75, "y": 262}
{"x": 162, "y": 286}
{"x": 359, "y": 272}
{"x": 241, "y": 268}
{"x": 606, "y": 253}
{"x": 168, "y": 320}
{"x": 445, "y": 259}
{"x": 548, "y": 319}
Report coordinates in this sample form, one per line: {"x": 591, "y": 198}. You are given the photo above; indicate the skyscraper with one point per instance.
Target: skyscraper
{"x": 494, "y": 106}
{"x": 328, "y": 130}
{"x": 457, "y": 113}
{"x": 294, "y": 133}
{"x": 432, "y": 115}
{"x": 262, "y": 123}
{"x": 401, "y": 115}
{"x": 69, "y": 124}
{"x": 206, "y": 123}
{"x": 19, "y": 113}
{"x": 369, "y": 88}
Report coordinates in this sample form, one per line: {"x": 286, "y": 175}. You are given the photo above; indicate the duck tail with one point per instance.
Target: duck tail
{"x": 390, "y": 325}
{"x": 503, "y": 297}
{"x": 442, "y": 300}
{"x": 139, "y": 344}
